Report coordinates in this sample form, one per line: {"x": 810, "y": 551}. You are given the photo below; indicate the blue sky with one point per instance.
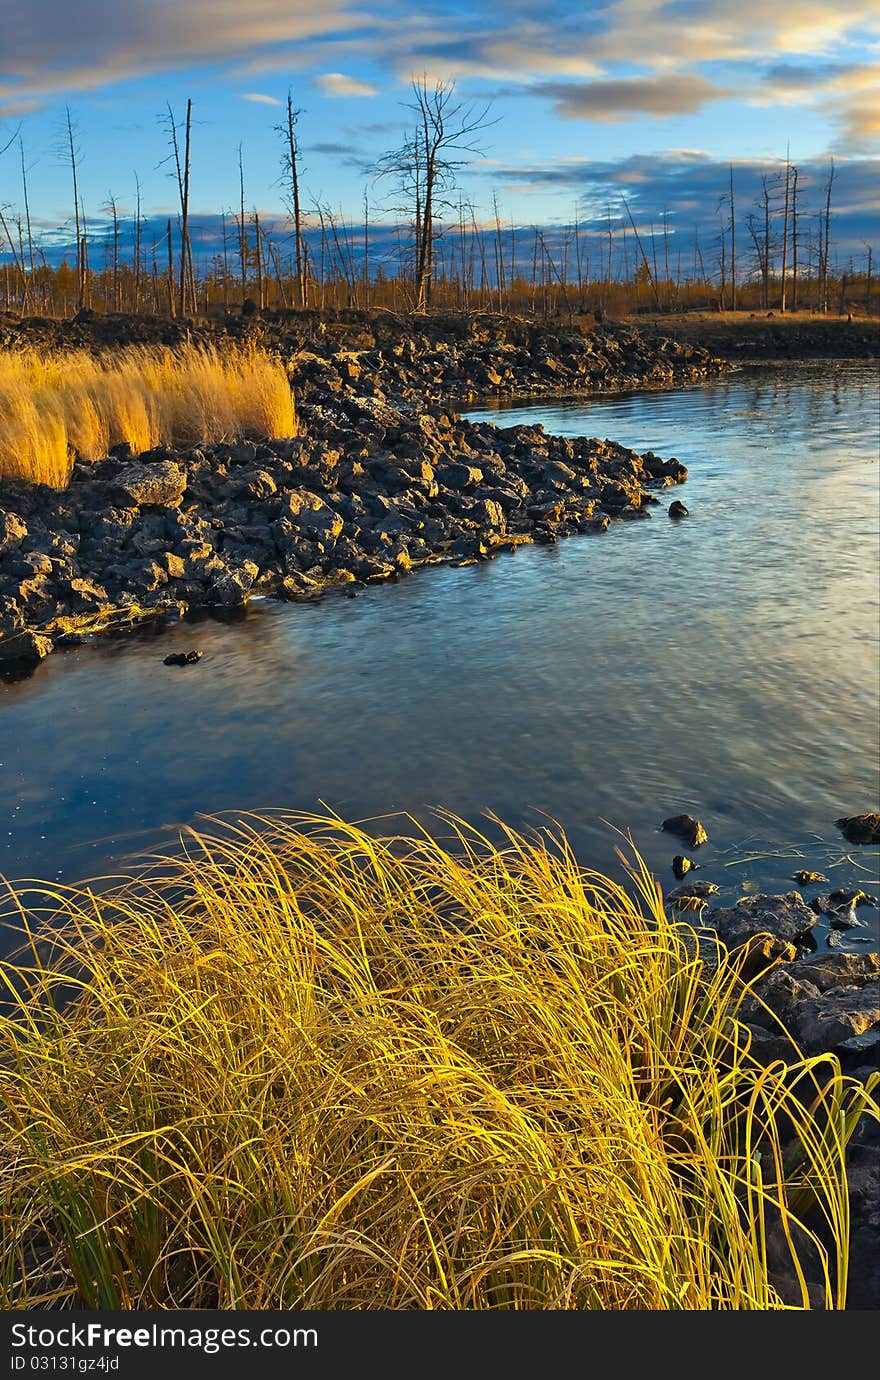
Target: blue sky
{"x": 591, "y": 102}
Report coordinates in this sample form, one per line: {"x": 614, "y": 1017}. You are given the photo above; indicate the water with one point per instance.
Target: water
{"x": 726, "y": 665}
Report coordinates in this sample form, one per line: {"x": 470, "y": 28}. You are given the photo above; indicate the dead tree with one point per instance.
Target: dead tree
{"x": 170, "y": 270}
{"x": 785, "y": 211}
{"x": 114, "y": 212}
{"x": 794, "y": 239}
{"x": 27, "y": 212}
{"x": 186, "y": 279}
{"x": 426, "y": 165}
{"x": 292, "y": 169}
{"x": 137, "y": 244}
{"x": 732, "y": 245}
{"x": 825, "y": 241}
{"x": 258, "y": 254}
{"x": 77, "y": 211}
{"x": 242, "y": 229}
{"x": 651, "y": 279}
{"x": 766, "y": 257}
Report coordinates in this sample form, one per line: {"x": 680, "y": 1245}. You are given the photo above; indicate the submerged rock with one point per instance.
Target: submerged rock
{"x": 692, "y": 895}
{"x": 183, "y": 658}
{"x": 682, "y": 865}
{"x": 860, "y": 828}
{"x": 687, "y": 828}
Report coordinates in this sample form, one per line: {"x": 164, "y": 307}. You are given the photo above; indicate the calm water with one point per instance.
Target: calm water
{"x": 726, "y": 665}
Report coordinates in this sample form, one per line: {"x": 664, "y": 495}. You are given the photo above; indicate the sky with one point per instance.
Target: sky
{"x": 586, "y": 104}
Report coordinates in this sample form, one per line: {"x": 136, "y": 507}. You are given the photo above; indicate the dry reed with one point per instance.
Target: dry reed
{"x": 307, "y": 1068}
{"x": 55, "y": 407}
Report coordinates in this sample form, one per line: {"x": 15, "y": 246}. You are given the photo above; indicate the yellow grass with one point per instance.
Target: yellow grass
{"x": 55, "y": 407}
{"x": 308, "y": 1069}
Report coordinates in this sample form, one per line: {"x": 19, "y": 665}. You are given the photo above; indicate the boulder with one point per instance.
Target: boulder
{"x": 160, "y": 485}
{"x": 12, "y": 531}
{"x": 459, "y": 477}
{"x": 860, "y": 828}
{"x": 234, "y": 584}
{"x": 23, "y": 647}
{"x": 785, "y": 917}
{"x": 687, "y": 828}
{"x": 821, "y": 1023}
{"x": 312, "y": 515}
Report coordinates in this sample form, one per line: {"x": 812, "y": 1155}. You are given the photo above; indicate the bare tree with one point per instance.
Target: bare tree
{"x": 113, "y": 208}
{"x": 292, "y": 169}
{"x": 825, "y": 241}
{"x": 242, "y": 228}
{"x": 427, "y": 163}
{"x": 181, "y": 168}
{"x": 794, "y": 239}
{"x": 72, "y": 154}
{"x": 137, "y": 244}
{"x": 785, "y": 211}
{"x": 647, "y": 267}
{"x": 732, "y": 244}
{"x": 27, "y": 210}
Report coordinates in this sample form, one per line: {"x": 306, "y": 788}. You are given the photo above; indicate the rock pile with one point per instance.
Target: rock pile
{"x": 366, "y": 493}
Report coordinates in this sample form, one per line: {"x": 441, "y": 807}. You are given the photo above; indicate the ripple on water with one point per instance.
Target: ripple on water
{"x": 726, "y": 665}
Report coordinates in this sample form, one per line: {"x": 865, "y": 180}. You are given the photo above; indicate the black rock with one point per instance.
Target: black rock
{"x": 692, "y": 895}
{"x": 860, "y": 828}
{"x": 677, "y": 509}
{"x": 687, "y": 828}
{"x": 183, "y": 658}
{"x": 682, "y": 865}
{"x": 855, "y": 897}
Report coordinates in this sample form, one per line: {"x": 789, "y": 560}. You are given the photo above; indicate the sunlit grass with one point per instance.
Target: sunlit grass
{"x": 308, "y": 1069}
{"x": 57, "y": 406}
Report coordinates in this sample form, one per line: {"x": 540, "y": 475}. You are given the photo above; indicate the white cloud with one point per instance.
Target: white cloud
{"x": 259, "y": 99}
{"x": 338, "y": 84}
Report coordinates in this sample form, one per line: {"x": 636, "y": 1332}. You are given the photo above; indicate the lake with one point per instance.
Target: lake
{"x": 725, "y": 665}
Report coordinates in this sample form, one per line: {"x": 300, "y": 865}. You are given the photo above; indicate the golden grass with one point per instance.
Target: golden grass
{"x": 57, "y": 406}
{"x": 306, "y": 1068}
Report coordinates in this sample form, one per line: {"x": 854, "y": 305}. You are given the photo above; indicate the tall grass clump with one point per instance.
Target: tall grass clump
{"x": 57, "y": 406}
{"x": 307, "y": 1068}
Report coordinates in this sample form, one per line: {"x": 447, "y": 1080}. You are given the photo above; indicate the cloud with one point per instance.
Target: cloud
{"x": 46, "y": 51}
{"x": 610, "y": 60}
{"x": 605, "y": 101}
{"x": 690, "y": 186}
{"x": 848, "y": 93}
{"x": 337, "y": 84}
{"x": 259, "y": 98}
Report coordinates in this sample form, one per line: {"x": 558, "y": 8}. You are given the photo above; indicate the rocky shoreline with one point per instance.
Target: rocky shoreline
{"x": 771, "y": 339}
{"x": 382, "y": 478}
{"x": 826, "y": 1003}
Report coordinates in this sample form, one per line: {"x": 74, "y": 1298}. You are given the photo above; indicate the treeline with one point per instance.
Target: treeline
{"x": 428, "y": 247}
{"x": 54, "y": 292}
